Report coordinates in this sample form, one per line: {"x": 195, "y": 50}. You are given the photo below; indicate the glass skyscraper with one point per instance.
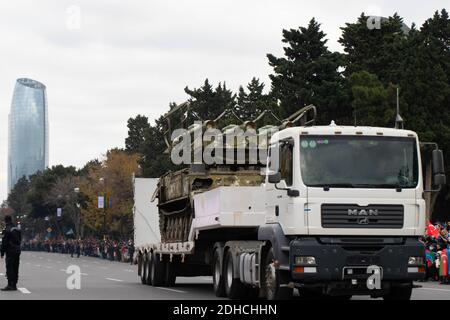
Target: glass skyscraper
{"x": 28, "y": 131}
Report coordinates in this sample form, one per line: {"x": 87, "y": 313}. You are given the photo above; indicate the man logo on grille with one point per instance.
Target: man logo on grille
{"x": 362, "y": 213}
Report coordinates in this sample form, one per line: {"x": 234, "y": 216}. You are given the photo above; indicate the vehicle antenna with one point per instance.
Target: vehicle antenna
{"x": 398, "y": 119}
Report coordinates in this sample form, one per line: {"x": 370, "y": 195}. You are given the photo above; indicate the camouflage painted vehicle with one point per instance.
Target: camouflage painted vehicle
{"x": 176, "y": 189}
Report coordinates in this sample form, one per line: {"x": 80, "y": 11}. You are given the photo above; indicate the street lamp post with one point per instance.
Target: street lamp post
{"x": 77, "y": 191}
{"x": 103, "y": 181}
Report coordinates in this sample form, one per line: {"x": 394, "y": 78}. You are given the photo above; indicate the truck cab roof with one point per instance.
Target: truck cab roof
{"x": 334, "y": 129}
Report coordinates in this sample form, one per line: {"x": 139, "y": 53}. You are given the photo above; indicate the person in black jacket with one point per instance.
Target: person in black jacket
{"x": 131, "y": 251}
{"x": 11, "y": 241}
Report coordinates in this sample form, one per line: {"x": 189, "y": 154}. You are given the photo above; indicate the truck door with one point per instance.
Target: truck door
{"x": 286, "y": 210}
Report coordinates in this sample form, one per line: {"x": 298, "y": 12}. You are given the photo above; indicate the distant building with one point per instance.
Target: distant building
{"x": 28, "y": 131}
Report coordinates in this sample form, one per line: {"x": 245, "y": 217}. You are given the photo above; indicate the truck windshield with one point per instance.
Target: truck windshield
{"x": 359, "y": 162}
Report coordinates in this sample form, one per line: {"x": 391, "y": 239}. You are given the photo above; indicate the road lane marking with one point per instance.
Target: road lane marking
{"x": 433, "y": 289}
{"x": 116, "y": 280}
{"x": 37, "y": 265}
{"x": 172, "y": 290}
{"x": 128, "y": 270}
{"x": 1, "y": 274}
{"x": 48, "y": 267}
{"x": 24, "y": 290}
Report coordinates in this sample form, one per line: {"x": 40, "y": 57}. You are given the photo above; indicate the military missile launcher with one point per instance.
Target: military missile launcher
{"x": 176, "y": 190}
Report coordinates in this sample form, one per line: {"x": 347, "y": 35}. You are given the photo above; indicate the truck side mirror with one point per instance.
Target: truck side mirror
{"x": 275, "y": 178}
{"x": 438, "y": 162}
{"x": 440, "y": 179}
{"x": 438, "y": 168}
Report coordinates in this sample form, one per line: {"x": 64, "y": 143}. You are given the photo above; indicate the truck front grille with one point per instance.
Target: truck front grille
{"x": 370, "y": 217}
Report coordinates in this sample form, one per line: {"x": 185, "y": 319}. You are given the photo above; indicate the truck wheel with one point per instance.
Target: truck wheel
{"x": 144, "y": 269}
{"x": 218, "y": 282}
{"x": 139, "y": 263}
{"x": 157, "y": 271}
{"x": 234, "y": 288}
{"x": 273, "y": 281}
{"x": 171, "y": 273}
{"x": 149, "y": 268}
{"x": 399, "y": 293}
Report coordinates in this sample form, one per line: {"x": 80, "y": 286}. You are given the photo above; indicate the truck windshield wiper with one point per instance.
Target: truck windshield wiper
{"x": 358, "y": 185}
{"x": 334, "y": 185}
{"x": 380, "y": 186}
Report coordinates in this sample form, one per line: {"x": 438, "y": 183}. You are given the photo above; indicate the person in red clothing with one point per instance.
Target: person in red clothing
{"x": 443, "y": 271}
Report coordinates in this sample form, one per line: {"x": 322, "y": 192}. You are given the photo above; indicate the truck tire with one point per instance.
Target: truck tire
{"x": 171, "y": 273}
{"x": 234, "y": 288}
{"x": 139, "y": 263}
{"x": 144, "y": 269}
{"x": 157, "y": 271}
{"x": 402, "y": 293}
{"x": 272, "y": 281}
{"x": 218, "y": 281}
{"x": 149, "y": 267}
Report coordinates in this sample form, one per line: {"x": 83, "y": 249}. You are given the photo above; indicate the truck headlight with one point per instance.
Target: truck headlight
{"x": 413, "y": 261}
{"x": 305, "y": 261}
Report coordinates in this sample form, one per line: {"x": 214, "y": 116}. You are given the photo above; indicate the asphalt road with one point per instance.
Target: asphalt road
{"x": 43, "y": 276}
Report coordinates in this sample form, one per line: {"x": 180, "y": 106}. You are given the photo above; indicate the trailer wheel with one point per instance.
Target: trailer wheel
{"x": 234, "y": 288}
{"x": 149, "y": 259}
{"x": 157, "y": 271}
{"x": 170, "y": 273}
{"x": 399, "y": 293}
{"x": 218, "y": 281}
{"x": 139, "y": 263}
{"x": 272, "y": 282}
{"x": 144, "y": 268}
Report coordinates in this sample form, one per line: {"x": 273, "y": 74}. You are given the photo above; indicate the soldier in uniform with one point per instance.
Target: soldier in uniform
{"x": 11, "y": 247}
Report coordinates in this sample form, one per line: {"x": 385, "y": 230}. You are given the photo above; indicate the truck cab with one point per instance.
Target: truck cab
{"x": 346, "y": 203}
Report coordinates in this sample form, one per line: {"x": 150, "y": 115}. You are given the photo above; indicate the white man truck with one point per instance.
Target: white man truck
{"x": 339, "y": 212}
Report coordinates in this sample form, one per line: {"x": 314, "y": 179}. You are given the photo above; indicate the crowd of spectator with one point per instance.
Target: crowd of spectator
{"x": 436, "y": 240}
{"x": 437, "y": 251}
{"x": 112, "y": 250}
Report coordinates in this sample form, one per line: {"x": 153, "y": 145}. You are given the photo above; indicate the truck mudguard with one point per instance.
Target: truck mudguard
{"x": 274, "y": 234}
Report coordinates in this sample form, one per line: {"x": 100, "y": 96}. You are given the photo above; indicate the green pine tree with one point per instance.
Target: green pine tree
{"x": 378, "y": 51}
{"x": 309, "y": 74}
{"x": 208, "y": 103}
{"x": 136, "y": 133}
{"x": 373, "y": 104}
{"x": 253, "y": 101}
